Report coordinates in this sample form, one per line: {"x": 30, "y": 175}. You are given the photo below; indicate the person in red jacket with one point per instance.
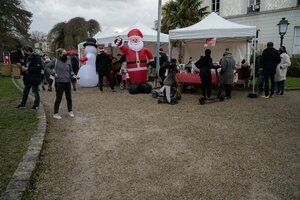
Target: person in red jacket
{"x": 137, "y": 58}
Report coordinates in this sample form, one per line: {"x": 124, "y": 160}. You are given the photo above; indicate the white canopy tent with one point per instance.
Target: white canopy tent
{"x": 230, "y": 35}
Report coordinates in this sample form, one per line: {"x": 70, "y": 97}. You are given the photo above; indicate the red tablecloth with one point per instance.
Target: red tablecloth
{"x": 194, "y": 78}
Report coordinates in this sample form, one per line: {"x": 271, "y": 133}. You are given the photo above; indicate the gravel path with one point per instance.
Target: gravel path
{"x": 122, "y": 146}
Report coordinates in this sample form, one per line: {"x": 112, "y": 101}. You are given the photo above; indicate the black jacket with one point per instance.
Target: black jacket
{"x": 103, "y": 63}
{"x": 162, "y": 58}
{"x": 269, "y": 60}
{"x": 204, "y": 64}
{"x": 75, "y": 63}
{"x": 34, "y": 66}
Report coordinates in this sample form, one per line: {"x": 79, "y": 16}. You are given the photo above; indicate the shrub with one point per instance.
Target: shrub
{"x": 294, "y": 69}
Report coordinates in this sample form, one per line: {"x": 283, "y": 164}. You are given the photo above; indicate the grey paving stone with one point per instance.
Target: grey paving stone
{"x": 17, "y": 186}
{"x": 12, "y": 195}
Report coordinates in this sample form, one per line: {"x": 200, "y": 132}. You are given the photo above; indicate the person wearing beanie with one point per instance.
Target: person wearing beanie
{"x": 137, "y": 58}
{"x": 226, "y": 73}
{"x": 32, "y": 68}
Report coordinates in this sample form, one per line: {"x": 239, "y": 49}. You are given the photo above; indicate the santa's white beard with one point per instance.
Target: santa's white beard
{"x": 136, "y": 46}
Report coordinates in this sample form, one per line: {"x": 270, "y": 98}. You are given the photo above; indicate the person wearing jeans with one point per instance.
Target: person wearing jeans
{"x": 61, "y": 68}
{"x": 35, "y": 90}
{"x": 32, "y": 68}
{"x": 60, "y": 89}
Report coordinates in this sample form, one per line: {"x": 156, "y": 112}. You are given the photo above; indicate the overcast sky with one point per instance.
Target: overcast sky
{"x": 115, "y": 14}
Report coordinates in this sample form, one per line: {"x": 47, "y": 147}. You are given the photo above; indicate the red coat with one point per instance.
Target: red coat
{"x": 137, "y": 64}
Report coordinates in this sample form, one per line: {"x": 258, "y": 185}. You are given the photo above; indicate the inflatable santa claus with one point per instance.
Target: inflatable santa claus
{"x": 137, "y": 58}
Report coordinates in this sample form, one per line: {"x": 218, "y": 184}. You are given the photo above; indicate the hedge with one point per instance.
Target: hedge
{"x": 294, "y": 69}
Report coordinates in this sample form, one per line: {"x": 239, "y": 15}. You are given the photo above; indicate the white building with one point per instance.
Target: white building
{"x": 265, "y": 15}
{"x": 43, "y": 45}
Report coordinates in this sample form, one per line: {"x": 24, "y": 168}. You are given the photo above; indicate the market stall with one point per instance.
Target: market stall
{"x": 190, "y": 41}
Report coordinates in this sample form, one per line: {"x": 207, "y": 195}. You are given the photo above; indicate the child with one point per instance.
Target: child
{"x": 171, "y": 69}
{"x": 245, "y": 72}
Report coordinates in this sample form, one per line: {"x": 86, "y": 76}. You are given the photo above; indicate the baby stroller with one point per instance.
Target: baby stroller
{"x": 219, "y": 95}
{"x": 161, "y": 96}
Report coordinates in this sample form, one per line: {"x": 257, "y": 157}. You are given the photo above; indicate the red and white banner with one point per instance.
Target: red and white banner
{"x": 210, "y": 42}
{"x": 6, "y": 58}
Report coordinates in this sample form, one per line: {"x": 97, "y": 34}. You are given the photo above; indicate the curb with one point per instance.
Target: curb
{"x": 22, "y": 176}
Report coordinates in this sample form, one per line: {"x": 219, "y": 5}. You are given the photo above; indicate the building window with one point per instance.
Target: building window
{"x": 297, "y": 41}
{"x": 253, "y": 6}
{"x": 215, "y": 6}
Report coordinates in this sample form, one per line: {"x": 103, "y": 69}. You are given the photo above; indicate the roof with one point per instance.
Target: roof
{"x": 213, "y": 26}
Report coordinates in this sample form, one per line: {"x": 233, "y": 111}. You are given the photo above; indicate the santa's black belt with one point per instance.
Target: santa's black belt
{"x": 137, "y": 62}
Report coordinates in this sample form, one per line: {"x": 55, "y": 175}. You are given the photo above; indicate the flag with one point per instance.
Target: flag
{"x": 210, "y": 42}
{"x": 6, "y": 58}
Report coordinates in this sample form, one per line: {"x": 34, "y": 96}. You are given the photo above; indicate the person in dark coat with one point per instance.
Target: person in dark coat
{"x": 163, "y": 58}
{"x": 170, "y": 79}
{"x": 103, "y": 68}
{"x": 259, "y": 75}
{"x": 75, "y": 64}
{"x": 269, "y": 60}
{"x": 204, "y": 64}
{"x": 32, "y": 76}
{"x": 245, "y": 69}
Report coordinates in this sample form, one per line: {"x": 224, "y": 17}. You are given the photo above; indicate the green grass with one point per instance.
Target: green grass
{"x": 293, "y": 83}
{"x": 16, "y": 128}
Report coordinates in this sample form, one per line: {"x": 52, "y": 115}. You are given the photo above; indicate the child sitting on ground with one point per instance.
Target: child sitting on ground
{"x": 171, "y": 69}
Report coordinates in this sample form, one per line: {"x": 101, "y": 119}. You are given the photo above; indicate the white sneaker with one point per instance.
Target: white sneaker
{"x": 71, "y": 114}
{"x": 56, "y": 116}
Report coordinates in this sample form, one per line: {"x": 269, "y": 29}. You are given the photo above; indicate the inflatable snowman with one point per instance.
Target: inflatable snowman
{"x": 87, "y": 72}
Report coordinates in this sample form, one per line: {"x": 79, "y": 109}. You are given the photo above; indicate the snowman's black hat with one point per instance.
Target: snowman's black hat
{"x": 90, "y": 42}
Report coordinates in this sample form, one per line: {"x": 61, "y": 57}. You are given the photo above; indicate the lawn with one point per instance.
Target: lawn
{"x": 16, "y": 128}
{"x": 293, "y": 82}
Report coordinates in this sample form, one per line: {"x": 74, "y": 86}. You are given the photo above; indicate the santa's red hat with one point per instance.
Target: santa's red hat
{"x": 135, "y": 33}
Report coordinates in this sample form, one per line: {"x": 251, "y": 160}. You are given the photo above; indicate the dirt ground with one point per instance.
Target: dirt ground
{"x": 122, "y": 146}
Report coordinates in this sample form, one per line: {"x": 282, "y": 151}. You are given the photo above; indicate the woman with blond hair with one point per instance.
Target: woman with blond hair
{"x": 60, "y": 68}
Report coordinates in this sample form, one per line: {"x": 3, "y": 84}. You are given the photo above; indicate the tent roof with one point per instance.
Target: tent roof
{"x": 150, "y": 35}
{"x": 213, "y": 26}
{"x": 105, "y": 36}
{"x": 105, "y": 33}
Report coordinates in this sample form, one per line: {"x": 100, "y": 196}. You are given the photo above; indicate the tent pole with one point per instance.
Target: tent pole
{"x": 253, "y": 94}
{"x": 170, "y": 50}
{"x": 158, "y": 40}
